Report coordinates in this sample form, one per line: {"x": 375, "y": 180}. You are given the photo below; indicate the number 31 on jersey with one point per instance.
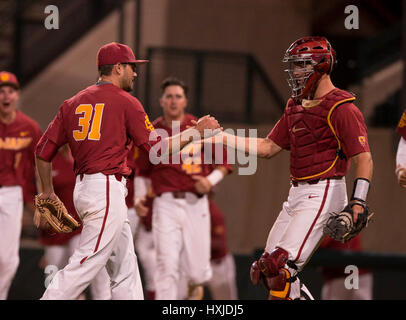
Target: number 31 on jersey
{"x": 86, "y": 121}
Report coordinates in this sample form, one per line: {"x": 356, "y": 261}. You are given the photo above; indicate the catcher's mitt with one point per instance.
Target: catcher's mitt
{"x": 341, "y": 227}
{"x": 56, "y": 215}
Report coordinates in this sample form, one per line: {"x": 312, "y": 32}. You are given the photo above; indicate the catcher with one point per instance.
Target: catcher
{"x": 322, "y": 129}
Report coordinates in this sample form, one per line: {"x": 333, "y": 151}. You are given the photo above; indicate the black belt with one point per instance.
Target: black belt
{"x": 182, "y": 194}
{"x": 315, "y": 181}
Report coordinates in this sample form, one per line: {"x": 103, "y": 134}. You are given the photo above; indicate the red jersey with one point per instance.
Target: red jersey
{"x": 349, "y": 128}
{"x": 177, "y": 176}
{"x": 401, "y": 128}
{"x": 63, "y": 180}
{"x": 99, "y": 123}
{"x": 147, "y": 220}
{"x": 218, "y": 232}
{"x": 17, "y": 144}
{"x": 129, "y": 199}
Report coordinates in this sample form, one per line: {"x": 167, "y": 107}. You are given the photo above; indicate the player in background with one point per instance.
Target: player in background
{"x": 144, "y": 243}
{"x": 19, "y": 135}
{"x": 222, "y": 285}
{"x": 99, "y": 124}
{"x": 59, "y": 247}
{"x": 334, "y": 277}
{"x": 322, "y": 129}
{"x": 141, "y": 228}
{"x": 401, "y": 152}
{"x": 129, "y": 200}
{"x": 181, "y": 218}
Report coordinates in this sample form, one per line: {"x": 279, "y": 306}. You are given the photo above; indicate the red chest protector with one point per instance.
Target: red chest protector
{"x": 314, "y": 145}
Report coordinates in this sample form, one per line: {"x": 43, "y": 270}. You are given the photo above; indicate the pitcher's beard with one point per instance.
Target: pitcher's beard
{"x": 128, "y": 87}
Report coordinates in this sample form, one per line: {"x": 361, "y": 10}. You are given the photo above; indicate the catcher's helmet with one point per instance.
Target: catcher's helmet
{"x": 309, "y": 58}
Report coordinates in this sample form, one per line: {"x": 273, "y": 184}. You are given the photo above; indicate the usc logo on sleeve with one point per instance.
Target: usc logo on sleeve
{"x": 402, "y": 122}
{"x": 148, "y": 124}
{"x": 362, "y": 140}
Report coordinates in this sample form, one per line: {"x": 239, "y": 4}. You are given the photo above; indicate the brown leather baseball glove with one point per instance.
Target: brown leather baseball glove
{"x": 55, "y": 213}
{"x": 341, "y": 226}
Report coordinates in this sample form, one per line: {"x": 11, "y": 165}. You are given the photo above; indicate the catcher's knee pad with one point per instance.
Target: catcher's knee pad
{"x": 255, "y": 273}
{"x": 280, "y": 285}
{"x": 267, "y": 267}
{"x": 271, "y": 263}
{"x": 258, "y": 277}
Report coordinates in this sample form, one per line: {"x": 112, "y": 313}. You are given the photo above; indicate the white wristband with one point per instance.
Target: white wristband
{"x": 361, "y": 188}
{"x": 401, "y": 156}
{"x": 215, "y": 177}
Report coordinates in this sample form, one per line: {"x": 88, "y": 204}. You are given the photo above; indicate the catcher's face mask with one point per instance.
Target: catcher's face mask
{"x": 308, "y": 59}
{"x": 298, "y": 73}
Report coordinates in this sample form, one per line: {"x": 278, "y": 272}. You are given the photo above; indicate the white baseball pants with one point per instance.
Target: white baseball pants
{"x": 181, "y": 229}
{"x": 134, "y": 221}
{"x": 58, "y": 256}
{"x": 299, "y": 226}
{"x": 145, "y": 248}
{"x": 11, "y": 211}
{"x": 223, "y": 284}
{"x": 105, "y": 241}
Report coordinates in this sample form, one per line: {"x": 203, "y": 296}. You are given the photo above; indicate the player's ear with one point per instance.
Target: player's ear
{"x": 161, "y": 101}
{"x": 118, "y": 68}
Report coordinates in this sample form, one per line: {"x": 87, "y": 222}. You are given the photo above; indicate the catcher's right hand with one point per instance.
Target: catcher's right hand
{"x": 50, "y": 208}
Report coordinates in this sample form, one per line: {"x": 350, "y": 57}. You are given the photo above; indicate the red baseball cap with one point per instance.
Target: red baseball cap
{"x": 9, "y": 79}
{"x": 114, "y": 52}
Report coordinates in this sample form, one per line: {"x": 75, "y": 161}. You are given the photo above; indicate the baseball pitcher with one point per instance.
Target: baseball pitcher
{"x": 98, "y": 123}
